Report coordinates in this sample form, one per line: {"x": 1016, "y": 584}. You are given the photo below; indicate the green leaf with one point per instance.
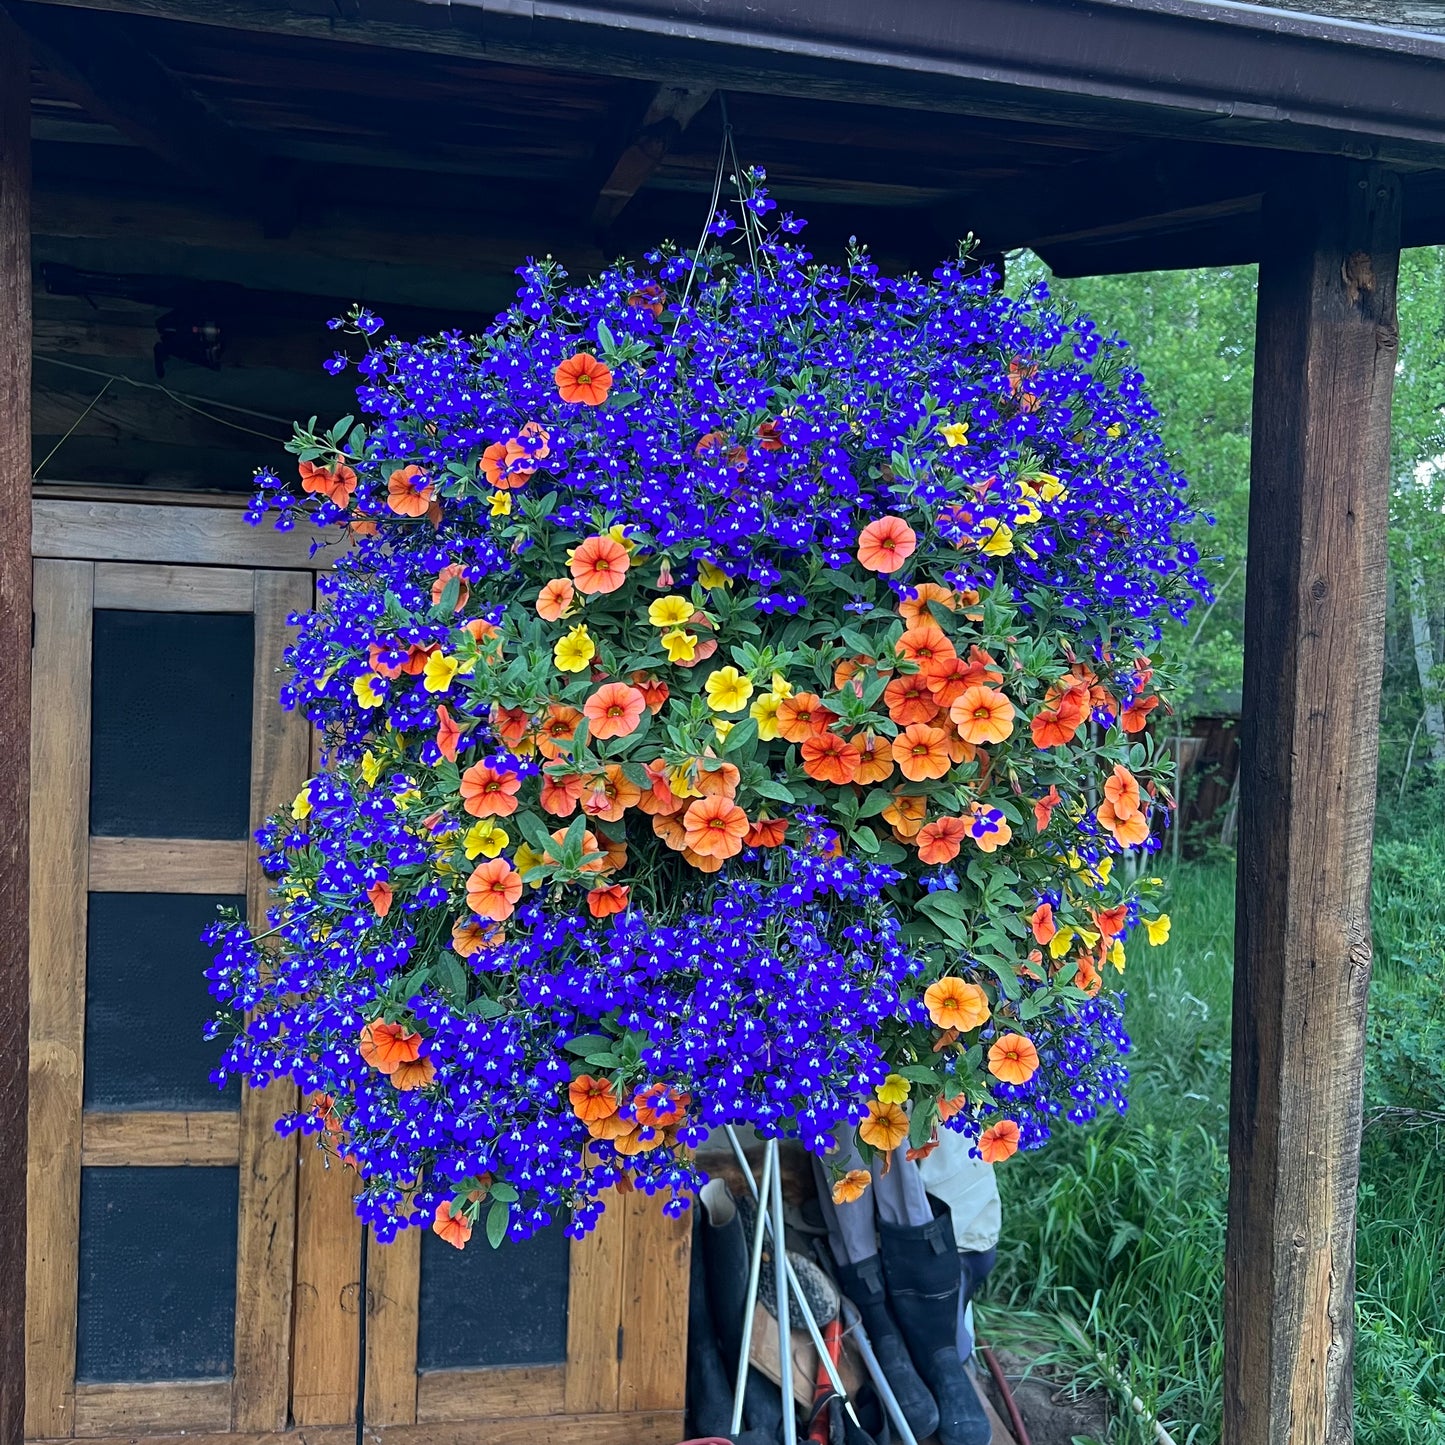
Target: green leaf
{"x": 947, "y": 903}
{"x": 866, "y": 839}
{"x": 587, "y": 1044}
{"x": 921, "y": 1124}
{"x": 497, "y": 1217}
{"x": 776, "y": 791}
{"x": 507, "y": 1193}
{"x": 743, "y": 735}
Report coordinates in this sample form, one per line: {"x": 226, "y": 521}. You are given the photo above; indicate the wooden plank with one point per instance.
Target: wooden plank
{"x": 105, "y": 531}
{"x": 154, "y": 1139}
{"x": 594, "y": 1313}
{"x": 266, "y": 1234}
{"x": 60, "y": 776}
{"x": 328, "y": 1269}
{"x": 113, "y": 1409}
{"x": 657, "y": 1427}
{"x": 501, "y": 1394}
{"x": 1314, "y": 648}
{"x": 653, "y": 1372}
{"x": 15, "y": 602}
{"x": 168, "y": 865}
{"x": 394, "y": 1296}
{"x": 128, "y": 586}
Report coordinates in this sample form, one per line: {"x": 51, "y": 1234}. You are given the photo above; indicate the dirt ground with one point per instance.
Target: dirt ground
{"x": 1053, "y": 1412}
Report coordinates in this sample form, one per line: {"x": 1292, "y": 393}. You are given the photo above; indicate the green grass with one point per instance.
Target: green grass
{"x": 1114, "y": 1236}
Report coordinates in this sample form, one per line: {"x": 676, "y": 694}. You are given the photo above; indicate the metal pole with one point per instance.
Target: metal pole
{"x": 834, "y": 1378}
{"x": 362, "y": 1301}
{"x": 755, "y": 1270}
{"x": 780, "y": 1281}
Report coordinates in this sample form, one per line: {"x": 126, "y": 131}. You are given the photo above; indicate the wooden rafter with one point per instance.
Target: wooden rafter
{"x": 671, "y": 109}
{"x": 97, "y": 63}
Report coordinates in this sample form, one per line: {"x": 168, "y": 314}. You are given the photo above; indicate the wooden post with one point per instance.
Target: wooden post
{"x": 1314, "y": 649}
{"x": 14, "y": 710}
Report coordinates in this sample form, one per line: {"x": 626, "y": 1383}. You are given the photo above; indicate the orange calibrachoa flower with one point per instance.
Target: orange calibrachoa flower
{"x": 493, "y": 889}
{"x": 906, "y": 813}
{"x": 767, "y": 833}
{"x": 408, "y": 493}
{"x": 1044, "y": 808}
{"x": 599, "y": 565}
{"x": 614, "y": 710}
{"x": 1128, "y": 832}
{"x": 803, "y": 716}
{"x": 921, "y": 752}
{"x": 926, "y": 644}
{"x": 469, "y": 937}
{"x": 412, "y": 1074}
{"x": 603, "y": 902}
{"x": 875, "y": 757}
{"x": 449, "y": 734}
{"x": 1041, "y": 920}
{"x": 607, "y": 795}
{"x": 915, "y": 609}
{"x": 387, "y": 1046}
{"x": 1122, "y": 790}
{"x": 489, "y": 793}
{"x": 439, "y": 587}
{"x": 852, "y": 1186}
{"x": 999, "y": 1141}
{"x": 336, "y": 483}
{"x": 1014, "y": 1059}
{"x": 886, "y": 1126}
{"x": 659, "y": 1106}
{"x": 583, "y": 379}
{"x": 910, "y": 699}
{"x": 885, "y": 545}
{"x": 954, "y": 1003}
{"x": 715, "y": 827}
{"x": 830, "y": 759}
{"x": 591, "y": 1099}
{"x": 982, "y": 715}
{"x": 380, "y": 896}
{"x": 456, "y": 1229}
{"x": 940, "y": 841}
{"x": 1135, "y": 717}
{"x": 558, "y": 726}
{"x": 554, "y": 601}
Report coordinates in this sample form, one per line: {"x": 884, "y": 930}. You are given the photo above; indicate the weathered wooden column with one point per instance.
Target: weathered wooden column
{"x": 14, "y": 711}
{"x": 1314, "y": 651}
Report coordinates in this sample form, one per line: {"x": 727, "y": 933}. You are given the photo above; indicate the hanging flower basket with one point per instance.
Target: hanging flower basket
{"x": 737, "y": 695}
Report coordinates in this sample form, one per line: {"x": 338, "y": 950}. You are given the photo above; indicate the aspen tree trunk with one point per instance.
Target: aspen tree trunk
{"x": 1425, "y": 657}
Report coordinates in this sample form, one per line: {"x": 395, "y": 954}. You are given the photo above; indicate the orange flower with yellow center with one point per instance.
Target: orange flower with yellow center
{"x": 714, "y": 827}
{"x": 982, "y": 715}
{"x": 885, "y": 545}
{"x": 999, "y": 1141}
{"x": 599, "y": 565}
{"x": 1014, "y": 1059}
{"x": 583, "y": 379}
{"x": 921, "y": 752}
{"x": 954, "y": 1003}
{"x": 886, "y": 1126}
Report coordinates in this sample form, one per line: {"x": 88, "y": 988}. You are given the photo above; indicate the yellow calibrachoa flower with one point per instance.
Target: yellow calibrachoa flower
{"x": 485, "y": 837}
{"x": 955, "y": 433}
{"x": 679, "y": 781}
{"x": 681, "y": 646}
{"x": 781, "y": 687}
{"x": 1026, "y": 510}
{"x": 501, "y": 504}
{"x": 1116, "y": 430}
{"x": 1157, "y": 929}
{"x": 1000, "y": 542}
{"x": 1116, "y": 955}
{"x": 301, "y": 805}
{"x": 524, "y": 860}
{"x": 370, "y": 767}
{"x": 1051, "y": 486}
{"x": 1061, "y": 942}
{"x": 365, "y": 688}
{"x": 722, "y": 727}
{"x": 617, "y": 534}
{"x": 764, "y": 712}
{"x": 711, "y": 576}
{"x": 439, "y": 671}
{"x": 893, "y": 1090}
{"x": 728, "y": 690}
{"x": 574, "y": 651}
{"x": 670, "y": 611}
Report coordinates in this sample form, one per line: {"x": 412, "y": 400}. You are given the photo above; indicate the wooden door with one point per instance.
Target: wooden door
{"x": 189, "y": 1270}
{"x": 162, "y": 1211}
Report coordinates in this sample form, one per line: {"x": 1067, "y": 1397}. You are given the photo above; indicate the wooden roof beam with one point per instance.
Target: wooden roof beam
{"x": 668, "y": 114}
{"x": 95, "y": 60}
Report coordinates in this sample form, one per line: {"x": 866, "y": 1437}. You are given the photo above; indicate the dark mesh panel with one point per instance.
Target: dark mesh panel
{"x": 157, "y": 1274}
{"x": 146, "y": 1003}
{"x": 171, "y": 725}
{"x": 485, "y": 1306}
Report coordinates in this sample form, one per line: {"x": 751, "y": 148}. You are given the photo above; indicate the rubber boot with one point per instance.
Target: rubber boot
{"x": 920, "y": 1264}
{"x": 709, "y": 1390}
{"x": 863, "y": 1284}
{"x": 726, "y": 1255}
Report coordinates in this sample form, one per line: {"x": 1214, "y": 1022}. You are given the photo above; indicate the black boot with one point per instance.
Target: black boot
{"x": 863, "y": 1284}
{"x": 921, "y": 1266}
{"x": 709, "y": 1390}
{"x": 726, "y": 1255}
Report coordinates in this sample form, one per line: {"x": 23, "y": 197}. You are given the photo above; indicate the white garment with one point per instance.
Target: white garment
{"x": 966, "y": 1184}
